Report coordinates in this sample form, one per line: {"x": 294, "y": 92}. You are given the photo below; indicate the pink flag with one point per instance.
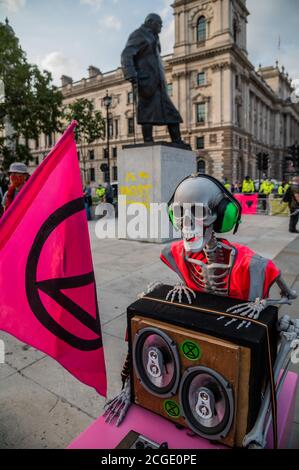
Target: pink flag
{"x": 47, "y": 285}
{"x": 248, "y": 203}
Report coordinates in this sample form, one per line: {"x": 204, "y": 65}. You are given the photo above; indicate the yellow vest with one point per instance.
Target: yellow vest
{"x": 283, "y": 189}
{"x": 266, "y": 188}
{"x": 248, "y": 186}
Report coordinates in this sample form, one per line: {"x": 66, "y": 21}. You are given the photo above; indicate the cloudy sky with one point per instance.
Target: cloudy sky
{"x": 66, "y": 36}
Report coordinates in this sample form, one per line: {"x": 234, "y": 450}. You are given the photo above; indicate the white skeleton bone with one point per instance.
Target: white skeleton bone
{"x": 213, "y": 276}
{"x": 179, "y": 290}
{"x": 117, "y": 407}
{"x": 150, "y": 288}
{"x": 254, "y": 309}
{"x": 289, "y": 329}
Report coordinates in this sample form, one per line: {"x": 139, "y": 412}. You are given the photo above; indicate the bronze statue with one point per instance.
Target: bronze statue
{"x": 142, "y": 65}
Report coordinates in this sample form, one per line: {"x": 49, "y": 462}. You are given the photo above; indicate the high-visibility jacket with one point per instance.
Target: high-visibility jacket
{"x": 228, "y": 187}
{"x": 248, "y": 186}
{"x": 283, "y": 189}
{"x": 251, "y": 274}
{"x": 266, "y": 188}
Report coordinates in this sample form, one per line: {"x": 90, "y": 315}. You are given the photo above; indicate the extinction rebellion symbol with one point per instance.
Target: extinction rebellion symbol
{"x": 53, "y": 287}
{"x": 172, "y": 408}
{"x": 191, "y": 350}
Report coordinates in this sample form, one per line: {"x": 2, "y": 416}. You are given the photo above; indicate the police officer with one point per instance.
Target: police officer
{"x": 265, "y": 190}
{"x": 248, "y": 185}
{"x": 292, "y": 198}
{"x": 282, "y": 189}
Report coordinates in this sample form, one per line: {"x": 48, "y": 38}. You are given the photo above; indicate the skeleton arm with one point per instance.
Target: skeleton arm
{"x": 253, "y": 309}
{"x": 288, "y": 352}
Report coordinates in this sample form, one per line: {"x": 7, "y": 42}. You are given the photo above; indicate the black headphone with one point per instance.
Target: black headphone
{"x": 228, "y": 210}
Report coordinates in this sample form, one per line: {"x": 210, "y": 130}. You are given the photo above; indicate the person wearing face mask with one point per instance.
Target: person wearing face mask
{"x": 18, "y": 175}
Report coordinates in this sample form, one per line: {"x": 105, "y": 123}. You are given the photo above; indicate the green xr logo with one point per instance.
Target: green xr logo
{"x": 191, "y": 350}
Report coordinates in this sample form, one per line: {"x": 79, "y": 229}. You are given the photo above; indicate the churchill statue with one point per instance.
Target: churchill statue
{"x": 142, "y": 65}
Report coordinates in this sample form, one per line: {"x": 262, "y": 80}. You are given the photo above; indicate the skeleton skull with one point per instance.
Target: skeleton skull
{"x": 194, "y": 211}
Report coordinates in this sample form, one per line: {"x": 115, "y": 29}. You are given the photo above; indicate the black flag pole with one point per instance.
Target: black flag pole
{"x": 134, "y": 110}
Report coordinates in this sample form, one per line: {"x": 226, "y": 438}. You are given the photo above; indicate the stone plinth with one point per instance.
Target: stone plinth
{"x": 149, "y": 174}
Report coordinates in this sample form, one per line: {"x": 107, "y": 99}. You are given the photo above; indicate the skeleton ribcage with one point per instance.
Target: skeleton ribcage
{"x": 213, "y": 276}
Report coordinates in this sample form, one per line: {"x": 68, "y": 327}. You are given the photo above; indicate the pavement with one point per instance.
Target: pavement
{"x": 43, "y": 406}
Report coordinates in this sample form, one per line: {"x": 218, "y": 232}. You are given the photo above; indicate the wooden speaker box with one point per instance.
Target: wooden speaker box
{"x": 193, "y": 370}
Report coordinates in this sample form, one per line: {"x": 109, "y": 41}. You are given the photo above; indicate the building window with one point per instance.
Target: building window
{"x": 237, "y": 82}
{"x": 200, "y": 143}
{"x": 91, "y": 154}
{"x": 130, "y": 126}
{"x": 169, "y": 89}
{"x": 201, "y": 29}
{"x": 200, "y": 113}
{"x": 239, "y": 115}
{"x": 36, "y": 143}
{"x": 92, "y": 176}
{"x": 130, "y": 97}
{"x": 36, "y": 161}
{"x": 114, "y": 152}
{"x": 110, "y": 126}
{"x": 235, "y": 30}
{"x": 116, "y": 128}
{"x": 114, "y": 173}
{"x": 213, "y": 138}
{"x": 78, "y": 152}
{"x": 49, "y": 140}
{"x": 201, "y": 166}
{"x": 105, "y": 153}
{"x": 201, "y": 79}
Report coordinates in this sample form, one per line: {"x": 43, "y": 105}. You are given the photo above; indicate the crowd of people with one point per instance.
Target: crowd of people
{"x": 11, "y": 184}
{"x": 248, "y": 186}
{"x": 103, "y": 192}
{"x": 288, "y": 192}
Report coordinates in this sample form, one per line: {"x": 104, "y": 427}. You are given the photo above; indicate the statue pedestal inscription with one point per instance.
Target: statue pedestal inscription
{"x": 147, "y": 177}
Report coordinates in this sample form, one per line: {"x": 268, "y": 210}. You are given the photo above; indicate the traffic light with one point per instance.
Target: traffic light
{"x": 104, "y": 167}
{"x": 262, "y": 161}
{"x": 265, "y": 165}
{"x": 294, "y": 154}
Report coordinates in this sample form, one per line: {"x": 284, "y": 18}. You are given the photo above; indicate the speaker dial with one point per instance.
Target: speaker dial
{"x": 156, "y": 362}
{"x": 207, "y": 403}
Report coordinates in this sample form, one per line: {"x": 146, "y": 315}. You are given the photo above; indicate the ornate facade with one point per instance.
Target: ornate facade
{"x": 231, "y": 111}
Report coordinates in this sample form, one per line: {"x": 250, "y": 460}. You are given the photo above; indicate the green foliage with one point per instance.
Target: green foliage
{"x": 91, "y": 125}
{"x": 32, "y": 104}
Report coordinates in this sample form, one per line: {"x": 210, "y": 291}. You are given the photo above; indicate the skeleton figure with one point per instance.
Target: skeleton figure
{"x": 200, "y": 207}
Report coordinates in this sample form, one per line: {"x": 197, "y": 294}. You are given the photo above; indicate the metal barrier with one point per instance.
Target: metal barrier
{"x": 256, "y": 203}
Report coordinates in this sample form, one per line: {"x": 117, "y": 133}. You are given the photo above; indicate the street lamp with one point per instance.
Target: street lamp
{"x": 107, "y": 103}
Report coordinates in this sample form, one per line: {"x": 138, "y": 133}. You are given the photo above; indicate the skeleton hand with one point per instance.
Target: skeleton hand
{"x": 179, "y": 290}
{"x": 249, "y": 309}
{"x": 150, "y": 287}
{"x": 117, "y": 407}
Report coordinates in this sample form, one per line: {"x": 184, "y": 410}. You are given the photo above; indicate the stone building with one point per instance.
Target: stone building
{"x": 231, "y": 111}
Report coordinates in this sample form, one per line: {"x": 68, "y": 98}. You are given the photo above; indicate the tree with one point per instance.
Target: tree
{"x": 91, "y": 125}
{"x": 32, "y": 104}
